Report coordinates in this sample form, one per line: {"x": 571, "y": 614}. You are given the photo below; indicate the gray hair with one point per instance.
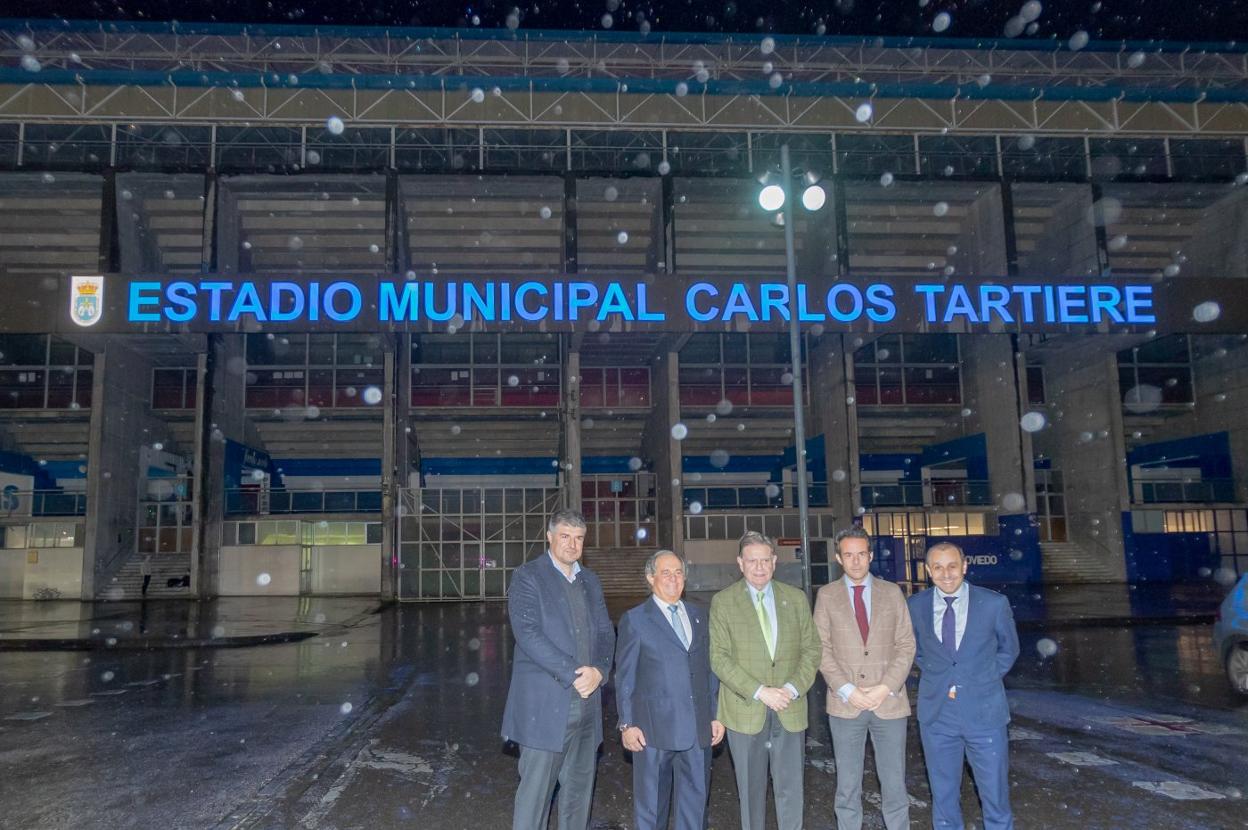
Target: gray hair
{"x": 753, "y": 537}
{"x": 851, "y": 532}
{"x": 652, "y": 564}
{"x": 566, "y": 516}
{"x": 944, "y": 546}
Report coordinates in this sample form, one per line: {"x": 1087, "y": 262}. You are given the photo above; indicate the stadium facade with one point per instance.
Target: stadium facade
{"x": 294, "y": 310}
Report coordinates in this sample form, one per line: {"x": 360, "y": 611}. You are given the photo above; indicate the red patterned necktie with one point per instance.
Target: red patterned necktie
{"x": 860, "y": 612}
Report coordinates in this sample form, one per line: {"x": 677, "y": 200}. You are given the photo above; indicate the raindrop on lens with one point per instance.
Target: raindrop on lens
{"x": 1046, "y": 647}
{"x": 679, "y": 431}
{"x": 863, "y": 113}
{"x": 334, "y": 125}
{"x": 1032, "y": 422}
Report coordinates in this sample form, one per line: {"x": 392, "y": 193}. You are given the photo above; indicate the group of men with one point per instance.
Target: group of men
{"x": 686, "y": 678}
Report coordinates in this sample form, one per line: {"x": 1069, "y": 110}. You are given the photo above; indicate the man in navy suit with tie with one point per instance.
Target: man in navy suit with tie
{"x": 666, "y": 696}
{"x": 966, "y": 644}
{"x": 564, "y": 643}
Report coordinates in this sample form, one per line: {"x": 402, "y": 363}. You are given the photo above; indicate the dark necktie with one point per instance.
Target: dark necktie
{"x": 949, "y": 628}
{"x": 860, "y": 612}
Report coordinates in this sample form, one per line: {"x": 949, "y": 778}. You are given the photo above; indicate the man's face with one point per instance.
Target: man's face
{"x": 855, "y": 557}
{"x": 757, "y": 564}
{"x": 668, "y": 580}
{"x": 566, "y": 543}
{"x": 947, "y": 569}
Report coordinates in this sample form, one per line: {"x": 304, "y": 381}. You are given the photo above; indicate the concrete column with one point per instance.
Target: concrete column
{"x": 981, "y": 245}
{"x": 570, "y": 412}
{"x": 831, "y": 369}
{"x": 222, "y": 416}
{"x": 1085, "y": 440}
{"x": 663, "y": 452}
{"x": 390, "y": 472}
{"x": 121, "y": 424}
{"x": 1219, "y": 245}
{"x": 1066, "y": 244}
{"x": 991, "y": 386}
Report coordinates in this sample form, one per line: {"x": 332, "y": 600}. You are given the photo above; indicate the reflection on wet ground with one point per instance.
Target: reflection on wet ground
{"x": 391, "y": 720}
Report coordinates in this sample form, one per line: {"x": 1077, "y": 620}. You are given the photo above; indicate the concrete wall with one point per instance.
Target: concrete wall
{"x": 1066, "y": 244}
{"x": 59, "y": 569}
{"x": 242, "y": 570}
{"x": 1219, "y": 245}
{"x": 346, "y": 569}
{"x": 336, "y": 569}
{"x": 713, "y": 565}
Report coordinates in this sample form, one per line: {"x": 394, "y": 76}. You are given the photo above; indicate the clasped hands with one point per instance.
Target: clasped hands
{"x": 870, "y": 698}
{"x": 775, "y": 698}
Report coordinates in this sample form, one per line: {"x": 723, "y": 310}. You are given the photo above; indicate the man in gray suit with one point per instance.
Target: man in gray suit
{"x": 868, "y": 646}
{"x": 666, "y": 696}
{"x": 564, "y": 645}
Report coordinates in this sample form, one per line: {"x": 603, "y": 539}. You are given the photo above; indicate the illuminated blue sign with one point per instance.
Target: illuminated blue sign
{"x": 657, "y": 304}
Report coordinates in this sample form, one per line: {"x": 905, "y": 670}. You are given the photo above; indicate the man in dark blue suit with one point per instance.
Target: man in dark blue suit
{"x": 666, "y": 696}
{"x": 966, "y": 643}
{"x": 564, "y": 645}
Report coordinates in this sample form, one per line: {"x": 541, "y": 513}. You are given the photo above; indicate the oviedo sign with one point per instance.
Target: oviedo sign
{"x": 118, "y": 303}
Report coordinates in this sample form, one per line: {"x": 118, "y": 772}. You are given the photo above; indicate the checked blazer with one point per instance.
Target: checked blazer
{"x": 739, "y": 655}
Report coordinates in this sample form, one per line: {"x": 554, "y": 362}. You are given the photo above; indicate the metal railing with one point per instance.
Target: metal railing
{"x": 938, "y": 494}
{"x": 751, "y": 496}
{"x": 251, "y": 502}
{"x": 1204, "y": 491}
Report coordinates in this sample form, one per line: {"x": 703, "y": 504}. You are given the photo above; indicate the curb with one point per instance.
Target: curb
{"x": 148, "y": 644}
{"x": 1114, "y": 622}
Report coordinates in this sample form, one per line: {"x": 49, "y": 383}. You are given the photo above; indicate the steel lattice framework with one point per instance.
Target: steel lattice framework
{"x": 219, "y": 74}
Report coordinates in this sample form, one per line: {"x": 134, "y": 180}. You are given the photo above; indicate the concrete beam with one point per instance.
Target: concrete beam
{"x": 663, "y": 452}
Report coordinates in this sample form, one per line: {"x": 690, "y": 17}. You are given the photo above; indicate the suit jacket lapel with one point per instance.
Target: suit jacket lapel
{"x": 551, "y": 578}
{"x": 663, "y": 620}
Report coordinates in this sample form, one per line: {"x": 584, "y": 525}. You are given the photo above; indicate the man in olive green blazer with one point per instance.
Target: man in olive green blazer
{"x": 765, "y": 651}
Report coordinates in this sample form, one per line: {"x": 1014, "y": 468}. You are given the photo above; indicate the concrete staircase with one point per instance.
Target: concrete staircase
{"x": 621, "y": 570}
{"x": 127, "y": 583}
{"x": 1067, "y": 563}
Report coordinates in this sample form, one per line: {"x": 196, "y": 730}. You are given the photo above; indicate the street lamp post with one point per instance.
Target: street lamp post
{"x": 795, "y": 350}
{"x": 778, "y": 197}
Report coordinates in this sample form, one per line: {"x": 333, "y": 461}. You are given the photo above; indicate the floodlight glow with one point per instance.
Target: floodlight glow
{"x": 771, "y": 197}
{"x": 814, "y": 197}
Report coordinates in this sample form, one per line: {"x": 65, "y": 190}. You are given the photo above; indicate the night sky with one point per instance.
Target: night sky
{"x": 1175, "y": 20}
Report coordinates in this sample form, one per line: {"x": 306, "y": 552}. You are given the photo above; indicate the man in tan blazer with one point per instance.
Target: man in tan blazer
{"x": 868, "y": 647}
{"x": 765, "y": 652}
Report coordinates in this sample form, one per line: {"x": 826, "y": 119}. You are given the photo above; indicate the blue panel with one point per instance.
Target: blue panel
{"x": 1167, "y": 557}
{"x": 24, "y": 465}
{"x": 910, "y": 464}
{"x": 971, "y": 448}
{"x": 736, "y": 464}
{"x": 310, "y": 467}
{"x": 1211, "y": 452}
{"x": 1011, "y": 557}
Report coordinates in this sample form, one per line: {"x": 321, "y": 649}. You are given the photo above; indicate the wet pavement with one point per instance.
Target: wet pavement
{"x": 390, "y": 719}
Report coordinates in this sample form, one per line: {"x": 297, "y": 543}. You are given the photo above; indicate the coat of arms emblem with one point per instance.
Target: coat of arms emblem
{"x": 86, "y": 298}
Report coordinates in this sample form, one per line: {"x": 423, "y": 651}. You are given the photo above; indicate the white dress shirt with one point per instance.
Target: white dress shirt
{"x": 681, "y": 612}
{"x": 576, "y": 568}
{"x": 960, "y": 607}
